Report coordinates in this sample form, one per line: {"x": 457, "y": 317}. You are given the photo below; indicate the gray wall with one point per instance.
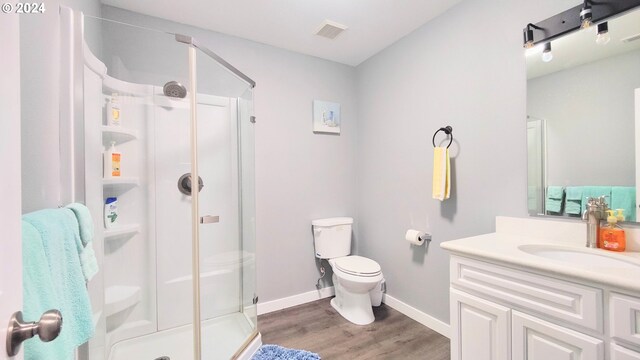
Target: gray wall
{"x": 601, "y": 112}
{"x": 299, "y": 176}
{"x": 39, "y": 72}
{"x": 466, "y": 69}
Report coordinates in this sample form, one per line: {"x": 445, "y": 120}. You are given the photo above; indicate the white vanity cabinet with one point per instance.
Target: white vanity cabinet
{"x": 501, "y": 313}
{"x": 483, "y": 331}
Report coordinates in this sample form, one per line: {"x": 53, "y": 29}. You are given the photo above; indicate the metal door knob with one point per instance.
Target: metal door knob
{"x": 48, "y": 328}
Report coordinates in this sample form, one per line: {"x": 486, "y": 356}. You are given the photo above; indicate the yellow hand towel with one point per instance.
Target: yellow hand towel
{"x": 441, "y": 173}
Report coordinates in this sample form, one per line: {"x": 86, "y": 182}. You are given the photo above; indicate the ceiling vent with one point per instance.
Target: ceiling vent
{"x": 631, "y": 38}
{"x": 330, "y": 29}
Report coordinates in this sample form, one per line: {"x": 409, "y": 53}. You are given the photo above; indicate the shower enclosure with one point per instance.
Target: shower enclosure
{"x": 177, "y": 275}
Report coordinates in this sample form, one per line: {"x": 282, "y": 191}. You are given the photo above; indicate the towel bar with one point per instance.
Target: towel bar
{"x": 447, "y": 130}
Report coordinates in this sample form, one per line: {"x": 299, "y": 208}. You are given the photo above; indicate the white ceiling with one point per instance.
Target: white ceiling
{"x": 291, "y": 24}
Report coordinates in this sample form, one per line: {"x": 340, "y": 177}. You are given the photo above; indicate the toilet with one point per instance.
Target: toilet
{"x": 356, "y": 279}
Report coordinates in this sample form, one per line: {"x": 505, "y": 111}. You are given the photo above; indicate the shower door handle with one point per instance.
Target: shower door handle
{"x": 209, "y": 219}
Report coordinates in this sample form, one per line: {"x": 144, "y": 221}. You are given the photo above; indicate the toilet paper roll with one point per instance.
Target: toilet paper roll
{"x": 415, "y": 237}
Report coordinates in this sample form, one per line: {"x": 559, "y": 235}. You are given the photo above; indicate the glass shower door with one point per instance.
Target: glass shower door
{"x": 226, "y": 237}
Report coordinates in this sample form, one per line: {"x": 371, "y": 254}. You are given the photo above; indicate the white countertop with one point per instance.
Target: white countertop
{"x": 504, "y": 248}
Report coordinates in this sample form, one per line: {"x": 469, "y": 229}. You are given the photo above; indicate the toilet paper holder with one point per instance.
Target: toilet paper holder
{"x": 425, "y": 237}
{"x": 417, "y": 237}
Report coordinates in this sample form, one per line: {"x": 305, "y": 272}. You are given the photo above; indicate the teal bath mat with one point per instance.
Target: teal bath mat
{"x": 275, "y": 352}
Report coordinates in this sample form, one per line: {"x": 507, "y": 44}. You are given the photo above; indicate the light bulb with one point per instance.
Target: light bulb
{"x": 546, "y": 54}
{"x": 586, "y": 15}
{"x": 603, "y": 38}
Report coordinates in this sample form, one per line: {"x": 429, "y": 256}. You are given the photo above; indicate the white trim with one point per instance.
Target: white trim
{"x": 279, "y": 304}
{"x": 427, "y": 320}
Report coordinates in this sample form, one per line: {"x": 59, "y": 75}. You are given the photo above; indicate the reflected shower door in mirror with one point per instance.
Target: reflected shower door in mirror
{"x": 583, "y": 119}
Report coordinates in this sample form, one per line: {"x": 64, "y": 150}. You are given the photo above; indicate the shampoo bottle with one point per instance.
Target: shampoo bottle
{"x": 113, "y": 111}
{"x": 612, "y": 236}
{"x": 112, "y": 162}
{"x": 110, "y": 212}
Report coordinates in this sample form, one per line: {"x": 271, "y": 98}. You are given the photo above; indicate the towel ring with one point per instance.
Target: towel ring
{"x": 447, "y": 130}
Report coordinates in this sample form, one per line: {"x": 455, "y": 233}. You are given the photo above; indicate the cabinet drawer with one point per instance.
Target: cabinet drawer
{"x": 620, "y": 353}
{"x": 577, "y": 304}
{"x": 625, "y": 318}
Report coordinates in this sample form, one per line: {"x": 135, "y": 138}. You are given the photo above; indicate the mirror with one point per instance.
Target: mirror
{"x": 583, "y": 111}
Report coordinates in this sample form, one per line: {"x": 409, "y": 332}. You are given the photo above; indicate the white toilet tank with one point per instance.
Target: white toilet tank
{"x": 332, "y": 237}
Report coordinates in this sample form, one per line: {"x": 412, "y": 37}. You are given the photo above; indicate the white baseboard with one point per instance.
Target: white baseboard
{"x": 427, "y": 320}
{"x": 408, "y": 310}
{"x": 279, "y": 304}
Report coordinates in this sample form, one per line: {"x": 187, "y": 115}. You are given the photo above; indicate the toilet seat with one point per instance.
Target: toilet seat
{"x": 358, "y": 266}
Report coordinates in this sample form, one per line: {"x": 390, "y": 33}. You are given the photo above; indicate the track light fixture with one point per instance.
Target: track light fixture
{"x": 528, "y": 35}
{"x": 586, "y": 15}
{"x": 547, "y": 55}
{"x": 591, "y": 12}
{"x": 603, "y": 36}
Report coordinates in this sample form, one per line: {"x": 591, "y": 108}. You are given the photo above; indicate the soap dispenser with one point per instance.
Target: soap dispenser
{"x": 612, "y": 236}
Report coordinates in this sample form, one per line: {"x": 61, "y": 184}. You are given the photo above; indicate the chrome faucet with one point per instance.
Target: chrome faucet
{"x": 596, "y": 211}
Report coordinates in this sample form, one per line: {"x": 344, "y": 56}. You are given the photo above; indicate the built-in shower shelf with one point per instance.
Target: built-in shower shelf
{"x": 119, "y": 298}
{"x": 121, "y": 231}
{"x": 118, "y": 134}
{"x": 120, "y": 183}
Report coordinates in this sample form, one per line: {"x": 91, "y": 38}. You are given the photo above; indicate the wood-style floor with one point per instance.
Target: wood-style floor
{"x": 319, "y": 328}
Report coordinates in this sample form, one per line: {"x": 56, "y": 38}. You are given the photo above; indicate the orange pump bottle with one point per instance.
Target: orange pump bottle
{"x": 612, "y": 236}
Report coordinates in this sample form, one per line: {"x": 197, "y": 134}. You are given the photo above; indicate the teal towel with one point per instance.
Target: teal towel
{"x": 85, "y": 222}
{"x": 624, "y": 197}
{"x": 574, "y": 193}
{"x": 554, "y": 206}
{"x": 39, "y": 294}
{"x": 553, "y": 203}
{"x": 88, "y": 259}
{"x": 595, "y": 192}
{"x": 54, "y": 280}
{"x": 555, "y": 192}
{"x": 573, "y": 204}
{"x": 573, "y": 207}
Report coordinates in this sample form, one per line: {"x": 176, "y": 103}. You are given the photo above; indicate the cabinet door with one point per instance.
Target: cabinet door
{"x": 535, "y": 339}
{"x": 625, "y": 318}
{"x": 480, "y": 328}
{"x": 620, "y": 353}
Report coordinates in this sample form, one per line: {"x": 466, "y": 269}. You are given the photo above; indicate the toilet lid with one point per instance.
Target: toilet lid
{"x": 358, "y": 265}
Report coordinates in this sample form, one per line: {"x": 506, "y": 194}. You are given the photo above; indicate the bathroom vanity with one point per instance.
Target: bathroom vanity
{"x": 532, "y": 290}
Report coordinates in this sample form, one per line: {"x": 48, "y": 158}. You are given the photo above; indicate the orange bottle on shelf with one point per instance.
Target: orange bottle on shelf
{"x": 612, "y": 236}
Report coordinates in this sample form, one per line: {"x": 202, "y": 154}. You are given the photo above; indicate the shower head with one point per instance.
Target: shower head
{"x": 174, "y": 89}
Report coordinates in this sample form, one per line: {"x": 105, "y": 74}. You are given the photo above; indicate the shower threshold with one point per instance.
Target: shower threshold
{"x": 221, "y": 339}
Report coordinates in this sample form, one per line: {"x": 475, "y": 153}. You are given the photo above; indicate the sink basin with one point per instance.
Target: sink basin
{"x": 578, "y": 256}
